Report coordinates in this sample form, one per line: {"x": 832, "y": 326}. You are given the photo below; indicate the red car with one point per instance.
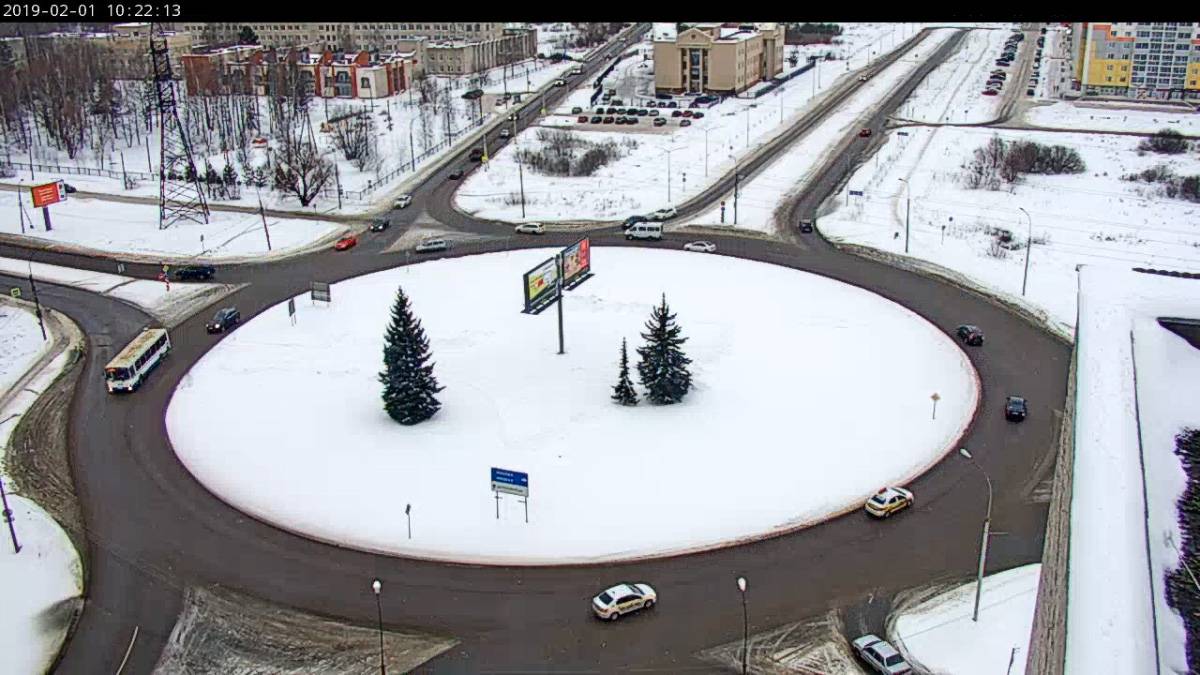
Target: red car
{"x": 582, "y": 119}
{"x": 688, "y": 113}
{"x": 990, "y": 92}
{"x": 347, "y": 242}
{"x": 865, "y": 133}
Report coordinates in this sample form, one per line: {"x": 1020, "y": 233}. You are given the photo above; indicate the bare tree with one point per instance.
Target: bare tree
{"x": 354, "y": 135}
{"x": 300, "y": 169}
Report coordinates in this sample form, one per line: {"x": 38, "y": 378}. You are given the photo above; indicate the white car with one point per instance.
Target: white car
{"x": 402, "y": 202}
{"x": 531, "y": 228}
{"x": 613, "y": 603}
{"x": 701, "y": 246}
{"x": 505, "y": 133}
{"x": 560, "y": 82}
{"x": 432, "y": 245}
{"x": 889, "y": 500}
{"x": 663, "y": 214}
{"x": 862, "y": 78}
{"x": 881, "y": 656}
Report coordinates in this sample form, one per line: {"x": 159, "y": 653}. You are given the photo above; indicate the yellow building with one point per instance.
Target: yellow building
{"x": 1142, "y": 60}
{"x": 713, "y": 57}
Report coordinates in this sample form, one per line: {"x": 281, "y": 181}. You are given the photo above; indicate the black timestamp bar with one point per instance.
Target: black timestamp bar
{"x": 99, "y": 11}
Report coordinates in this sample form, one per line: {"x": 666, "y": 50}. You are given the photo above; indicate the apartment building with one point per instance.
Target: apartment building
{"x": 726, "y": 58}
{"x": 344, "y": 35}
{"x": 329, "y": 74}
{"x": 461, "y": 58}
{"x": 1139, "y": 60}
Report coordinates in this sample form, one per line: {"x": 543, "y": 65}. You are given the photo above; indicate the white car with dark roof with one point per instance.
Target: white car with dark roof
{"x": 613, "y": 603}
{"x": 881, "y": 656}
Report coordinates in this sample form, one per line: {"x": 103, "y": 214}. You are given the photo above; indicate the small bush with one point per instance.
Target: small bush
{"x": 1002, "y": 161}
{"x": 565, "y": 154}
{"x": 1166, "y": 142}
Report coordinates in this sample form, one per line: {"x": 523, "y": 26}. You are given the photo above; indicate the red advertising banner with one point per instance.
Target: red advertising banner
{"x": 577, "y": 261}
{"x": 47, "y": 194}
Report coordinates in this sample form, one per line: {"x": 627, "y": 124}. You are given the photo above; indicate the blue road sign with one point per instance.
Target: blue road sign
{"x": 856, "y": 193}
{"x": 512, "y": 482}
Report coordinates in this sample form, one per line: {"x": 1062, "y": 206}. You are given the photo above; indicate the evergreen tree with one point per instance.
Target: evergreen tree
{"x": 623, "y": 392}
{"x": 408, "y": 382}
{"x": 247, "y": 36}
{"x": 663, "y": 368}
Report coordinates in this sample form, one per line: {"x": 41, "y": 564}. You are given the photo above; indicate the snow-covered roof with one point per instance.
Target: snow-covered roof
{"x": 1136, "y": 386}
{"x": 663, "y": 31}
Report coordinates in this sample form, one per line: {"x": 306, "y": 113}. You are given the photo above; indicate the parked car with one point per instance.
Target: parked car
{"x": 380, "y": 224}
{"x": 621, "y": 111}
{"x": 697, "y": 115}
{"x": 806, "y": 226}
{"x": 1015, "y": 409}
{"x": 225, "y": 319}
{"x": 609, "y": 120}
{"x": 685, "y": 123}
{"x": 195, "y": 273}
{"x": 688, "y": 113}
{"x": 1030, "y": 92}
{"x": 660, "y": 122}
{"x": 613, "y": 603}
{"x": 582, "y": 119}
{"x": 700, "y": 246}
{"x": 652, "y": 113}
{"x": 887, "y": 501}
{"x": 865, "y": 133}
{"x": 455, "y": 174}
{"x": 600, "y": 110}
{"x": 560, "y": 82}
{"x": 432, "y": 245}
{"x": 663, "y": 214}
{"x": 345, "y": 243}
{"x": 990, "y": 92}
{"x": 970, "y": 335}
{"x": 576, "y": 110}
{"x": 620, "y": 119}
{"x": 476, "y": 155}
{"x": 631, "y": 120}
{"x": 641, "y": 112}
{"x": 531, "y": 228}
{"x": 881, "y": 656}
{"x": 672, "y": 104}
{"x": 676, "y": 113}
{"x": 596, "y": 119}
{"x": 611, "y": 111}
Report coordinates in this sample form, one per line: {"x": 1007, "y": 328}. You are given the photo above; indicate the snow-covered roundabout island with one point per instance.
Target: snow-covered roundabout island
{"x": 809, "y": 395}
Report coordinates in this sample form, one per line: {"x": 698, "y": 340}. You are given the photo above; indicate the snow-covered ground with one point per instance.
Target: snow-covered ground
{"x": 1136, "y": 385}
{"x": 640, "y": 180}
{"x": 46, "y": 571}
{"x": 940, "y": 635}
{"x": 132, "y": 229}
{"x": 796, "y": 414}
{"x": 761, "y": 195}
{"x": 952, "y": 92}
{"x": 1114, "y": 117}
{"x": 1093, "y": 217}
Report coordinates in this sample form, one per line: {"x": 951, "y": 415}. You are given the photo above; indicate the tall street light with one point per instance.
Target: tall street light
{"x": 377, "y": 585}
{"x": 907, "y": 210}
{"x": 741, "y": 582}
{"x": 412, "y": 148}
{"x": 987, "y": 527}
{"x": 669, "y": 173}
{"x": 1028, "y": 246}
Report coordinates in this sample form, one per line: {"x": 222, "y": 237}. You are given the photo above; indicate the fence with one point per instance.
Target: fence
{"x": 78, "y": 170}
{"x": 778, "y": 82}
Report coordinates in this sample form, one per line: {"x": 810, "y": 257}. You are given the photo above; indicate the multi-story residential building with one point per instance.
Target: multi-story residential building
{"x": 461, "y": 58}
{"x": 716, "y": 57}
{"x": 1142, "y": 60}
{"x": 248, "y": 69}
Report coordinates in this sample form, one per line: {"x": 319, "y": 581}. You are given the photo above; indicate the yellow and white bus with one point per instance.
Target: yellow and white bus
{"x": 127, "y": 369}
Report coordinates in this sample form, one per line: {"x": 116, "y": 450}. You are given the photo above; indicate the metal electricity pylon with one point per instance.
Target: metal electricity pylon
{"x": 179, "y": 194}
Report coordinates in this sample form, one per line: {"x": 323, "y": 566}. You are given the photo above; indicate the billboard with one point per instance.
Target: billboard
{"x": 577, "y": 262}
{"x": 540, "y": 284}
{"x": 320, "y": 291}
{"x": 49, "y": 193}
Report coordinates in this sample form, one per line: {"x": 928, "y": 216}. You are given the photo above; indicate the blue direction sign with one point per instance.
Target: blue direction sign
{"x": 856, "y": 193}
{"x": 512, "y": 482}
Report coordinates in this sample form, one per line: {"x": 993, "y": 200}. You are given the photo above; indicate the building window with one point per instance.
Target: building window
{"x": 364, "y": 83}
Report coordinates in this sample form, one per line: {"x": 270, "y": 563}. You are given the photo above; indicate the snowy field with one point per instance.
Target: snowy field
{"x": 1093, "y": 217}
{"x": 795, "y": 408}
{"x": 1137, "y": 387}
{"x": 47, "y": 570}
{"x": 952, "y": 92}
{"x": 131, "y": 230}
{"x": 640, "y": 180}
{"x": 1097, "y": 116}
{"x": 759, "y": 197}
{"x": 940, "y": 636}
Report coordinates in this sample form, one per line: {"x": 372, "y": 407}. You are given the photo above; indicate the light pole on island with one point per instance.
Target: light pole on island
{"x": 741, "y": 582}
{"x": 987, "y": 526}
{"x": 1028, "y": 248}
{"x": 377, "y": 586}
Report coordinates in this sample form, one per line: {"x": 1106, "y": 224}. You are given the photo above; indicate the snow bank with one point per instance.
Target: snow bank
{"x": 807, "y": 400}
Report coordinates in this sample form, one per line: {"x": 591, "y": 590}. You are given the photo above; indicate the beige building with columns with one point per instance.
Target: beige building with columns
{"x": 726, "y": 58}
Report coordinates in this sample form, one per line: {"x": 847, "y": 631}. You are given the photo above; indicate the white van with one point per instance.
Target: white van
{"x": 645, "y": 231}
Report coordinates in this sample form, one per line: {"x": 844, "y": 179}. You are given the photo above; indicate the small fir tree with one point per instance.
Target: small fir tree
{"x": 409, "y": 386}
{"x": 663, "y": 368}
{"x": 623, "y": 392}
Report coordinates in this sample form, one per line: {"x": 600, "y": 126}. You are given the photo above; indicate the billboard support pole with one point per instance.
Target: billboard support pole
{"x": 558, "y": 262}
{"x": 526, "y": 500}
{"x": 46, "y": 217}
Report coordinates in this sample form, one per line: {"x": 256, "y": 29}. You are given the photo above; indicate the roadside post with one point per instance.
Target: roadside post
{"x": 408, "y": 514}
{"x": 292, "y": 310}
{"x": 935, "y": 398}
{"x": 510, "y": 482}
{"x": 8, "y": 518}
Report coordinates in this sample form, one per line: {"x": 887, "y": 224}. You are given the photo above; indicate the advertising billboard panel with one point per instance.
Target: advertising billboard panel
{"x": 48, "y": 193}
{"x": 540, "y": 284}
{"x": 577, "y": 262}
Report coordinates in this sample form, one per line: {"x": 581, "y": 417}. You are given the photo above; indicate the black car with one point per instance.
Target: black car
{"x": 1015, "y": 409}
{"x": 380, "y": 224}
{"x": 69, "y": 188}
{"x": 631, "y": 221}
{"x": 1030, "y": 92}
{"x": 596, "y": 119}
{"x": 195, "y": 273}
{"x": 631, "y": 120}
{"x": 806, "y": 226}
{"x": 576, "y": 110}
{"x": 970, "y": 335}
{"x": 611, "y": 111}
{"x": 225, "y": 319}
{"x": 455, "y": 174}
{"x": 477, "y": 155}
{"x": 600, "y": 111}
{"x": 609, "y": 119}
{"x": 641, "y": 112}
{"x": 672, "y": 104}
{"x": 660, "y": 122}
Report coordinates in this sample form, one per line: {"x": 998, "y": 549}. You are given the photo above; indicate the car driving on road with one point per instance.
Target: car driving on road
{"x": 347, "y": 242}
{"x": 970, "y": 335}
{"x": 455, "y": 174}
{"x": 806, "y": 226}
{"x": 663, "y": 214}
{"x": 1015, "y": 409}
{"x": 195, "y": 273}
{"x": 531, "y": 228}
{"x": 700, "y": 246}
{"x": 225, "y": 319}
{"x": 402, "y": 202}
{"x": 881, "y": 656}
{"x": 613, "y": 603}
{"x": 887, "y": 501}
{"x": 432, "y": 245}
{"x": 380, "y": 224}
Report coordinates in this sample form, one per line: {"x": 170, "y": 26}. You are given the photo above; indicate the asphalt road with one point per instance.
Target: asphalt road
{"x": 153, "y": 530}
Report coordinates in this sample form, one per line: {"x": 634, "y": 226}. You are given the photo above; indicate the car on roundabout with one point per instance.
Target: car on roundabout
{"x": 455, "y": 174}
{"x": 700, "y": 247}
{"x": 225, "y": 319}
{"x": 889, "y": 500}
{"x": 1016, "y": 409}
{"x": 613, "y": 603}
{"x": 970, "y": 335}
{"x": 380, "y": 224}
{"x": 530, "y": 228}
{"x": 663, "y": 214}
{"x": 881, "y": 656}
{"x": 432, "y": 245}
{"x": 806, "y": 226}
{"x": 402, "y": 202}
{"x": 195, "y": 273}
{"x": 345, "y": 243}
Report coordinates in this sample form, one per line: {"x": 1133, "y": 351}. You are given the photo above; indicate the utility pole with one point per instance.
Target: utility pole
{"x": 737, "y": 176}
{"x": 37, "y": 305}
{"x": 1028, "y": 247}
{"x": 8, "y": 517}
{"x": 262, "y": 212}
{"x": 521, "y": 178}
{"x": 337, "y": 177}
{"x": 412, "y": 148}
{"x": 558, "y": 261}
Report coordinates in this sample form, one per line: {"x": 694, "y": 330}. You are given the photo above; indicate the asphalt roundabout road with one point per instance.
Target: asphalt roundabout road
{"x": 153, "y": 530}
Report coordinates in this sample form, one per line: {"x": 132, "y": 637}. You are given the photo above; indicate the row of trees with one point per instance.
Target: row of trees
{"x": 1000, "y": 161}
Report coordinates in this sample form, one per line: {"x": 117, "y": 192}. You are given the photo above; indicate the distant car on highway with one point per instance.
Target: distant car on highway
{"x": 1015, "y": 409}
{"x": 69, "y": 188}
{"x": 881, "y": 656}
{"x": 862, "y": 78}
{"x": 887, "y": 501}
{"x": 380, "y": 224}
{"x": 432, "y": 245}
{"x": 225, "y": 319}
{"x": 560, "y": 82}
{"x": 865, "y": 133}
{"x": 195, "y": 273}
{"x": 476, "y": 155}
{"x": 505, "y": 133}
{"x": 700, "y": 246}
{"x": 806, "y": 226}
{"x": 613, "y": 603}
{"x": 402, "y": 202}
{"x": 530, "y": 228}
{"x": 455, "y": 174}
{"x": 970, "y": 335}
{"x": 663, "y": 214}
{"x": 347, "y": 242}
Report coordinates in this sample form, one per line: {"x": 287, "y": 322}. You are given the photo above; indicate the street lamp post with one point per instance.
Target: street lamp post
{"x": 377, "y": 585}
{"x": 1028, "y": 247}
{"x": 987, "y": 527}
{"x": 907, "y": 210}
{"x": 741, "y": 582}
{"x": 412, "y": 148}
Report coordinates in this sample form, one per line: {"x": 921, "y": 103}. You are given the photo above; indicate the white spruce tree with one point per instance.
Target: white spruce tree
{"x": 663, "y": 368}
{"x": 623, "y": 391}
{"x": 409, "y": 386}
